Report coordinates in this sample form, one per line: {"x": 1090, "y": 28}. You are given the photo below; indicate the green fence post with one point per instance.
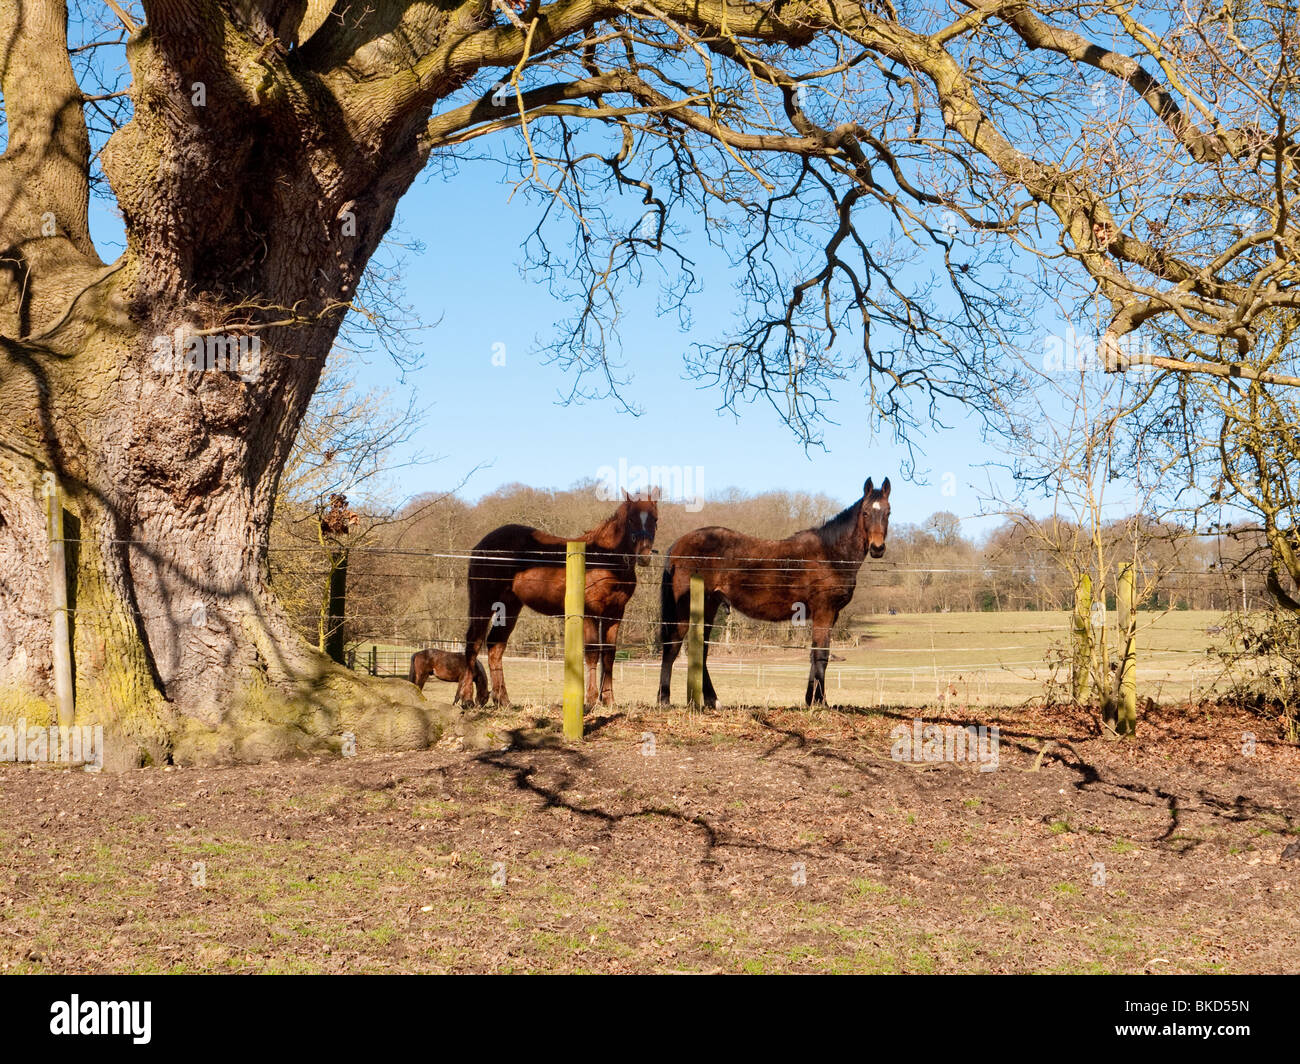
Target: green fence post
{"x": 575, "y": 602}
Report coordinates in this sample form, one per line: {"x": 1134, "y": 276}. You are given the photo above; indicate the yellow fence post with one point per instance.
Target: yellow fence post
{"x": 575, "y": 606}
{"x": 695, "y": 645}
{"x": 1082, "y": 636}
{"x": 1124, "y": 600}
{"x": 60, "y": 641}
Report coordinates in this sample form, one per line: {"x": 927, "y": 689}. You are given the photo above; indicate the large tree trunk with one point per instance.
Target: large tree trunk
{"x": 243, "y": 220}
{"x": 179, "y": 649}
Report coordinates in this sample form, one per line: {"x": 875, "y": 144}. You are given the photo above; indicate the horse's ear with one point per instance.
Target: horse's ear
{"x": 884, "y": 488}
{"x": 655, "y": 493}
{"x": 866, "y": 489}
{"x": 626, "y": 495}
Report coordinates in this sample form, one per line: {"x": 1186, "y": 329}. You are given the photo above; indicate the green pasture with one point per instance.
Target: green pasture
{"x": 908, "y": 659}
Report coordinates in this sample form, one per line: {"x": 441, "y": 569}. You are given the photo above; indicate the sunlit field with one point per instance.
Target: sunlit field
{"x": 738, "y": 840}
{"x": 917, "y": 659}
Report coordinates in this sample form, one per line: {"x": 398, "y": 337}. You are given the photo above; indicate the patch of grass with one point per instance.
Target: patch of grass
{"x": 383, "y": 934}
{"x": 432, "y": 809}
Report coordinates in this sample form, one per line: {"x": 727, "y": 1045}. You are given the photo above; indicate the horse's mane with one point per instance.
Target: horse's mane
{"x": 609, "y": 533}
{"x": 834, "y": 529}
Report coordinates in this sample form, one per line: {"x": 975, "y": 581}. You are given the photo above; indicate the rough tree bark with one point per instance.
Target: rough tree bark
{"x": 252, "y": 200}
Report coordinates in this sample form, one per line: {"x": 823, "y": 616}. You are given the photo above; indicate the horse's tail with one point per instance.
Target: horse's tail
{"x": 667, "y": 607}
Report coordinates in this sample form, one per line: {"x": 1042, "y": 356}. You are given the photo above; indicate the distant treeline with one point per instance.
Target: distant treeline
{"x": 406, "y": 578}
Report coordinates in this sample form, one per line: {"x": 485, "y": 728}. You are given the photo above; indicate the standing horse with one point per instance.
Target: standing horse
{"x": 516, "y": 566}
{"x": 809, "y": 576}
{"x": 446, "y": 665}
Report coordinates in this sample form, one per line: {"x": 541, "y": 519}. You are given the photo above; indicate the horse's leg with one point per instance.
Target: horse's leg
{"x": 481, "y": 594}
{"x": 673, "y": 643}
{"x": 475, "y": 636}
{"x": 498, "y": 635}
{"x": 672, "y": 647}
{"x": 670, "y": 635}
{"x": 710, "y": 612}
{"x": 821, "y": 653}
{"x": 608, "y": 652}
{"x": 591, "y": 651}
{"x": 480, "y": 683}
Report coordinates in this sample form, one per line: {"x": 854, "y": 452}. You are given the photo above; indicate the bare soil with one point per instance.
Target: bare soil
{"x": 733, "y": 841}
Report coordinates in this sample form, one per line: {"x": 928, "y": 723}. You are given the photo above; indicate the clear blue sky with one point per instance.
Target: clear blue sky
{"x": 510, "y": 418}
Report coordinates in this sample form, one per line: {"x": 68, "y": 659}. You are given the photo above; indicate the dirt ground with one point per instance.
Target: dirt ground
{"x": 670, "y": 841}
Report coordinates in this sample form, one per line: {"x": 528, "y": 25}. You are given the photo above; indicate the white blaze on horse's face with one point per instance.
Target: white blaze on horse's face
{"x": 644, "y": 523}
{"x": 875, "y": 517}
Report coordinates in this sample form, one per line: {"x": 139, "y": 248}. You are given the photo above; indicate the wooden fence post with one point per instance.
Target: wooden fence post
{"x": 695, "y": 646}
{"x": 575, "y": 606}
{"x": 1082, "y": 636}
{"x": 374, "y": 660}
{"x": 1126, "y": 722}
{"x": 60, "y": 644}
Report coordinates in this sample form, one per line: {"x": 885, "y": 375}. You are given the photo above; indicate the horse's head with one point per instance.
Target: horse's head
{"x": 875, "y": 517}
{"x": 642, "y": 519}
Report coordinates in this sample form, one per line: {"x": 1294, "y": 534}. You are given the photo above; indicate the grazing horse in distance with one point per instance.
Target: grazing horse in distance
{"x": 446, "y": 665}
{"x": 809, "y": 576}
{"x": 516, "y": 566}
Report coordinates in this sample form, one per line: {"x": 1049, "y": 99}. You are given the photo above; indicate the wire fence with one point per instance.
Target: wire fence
{"x": 381, "y": 642}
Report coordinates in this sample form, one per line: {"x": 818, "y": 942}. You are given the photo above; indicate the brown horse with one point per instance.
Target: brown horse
{"x": 807, "y": 578}
{"x": 446, "y": 665}
{"x": 516, "y": 566}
